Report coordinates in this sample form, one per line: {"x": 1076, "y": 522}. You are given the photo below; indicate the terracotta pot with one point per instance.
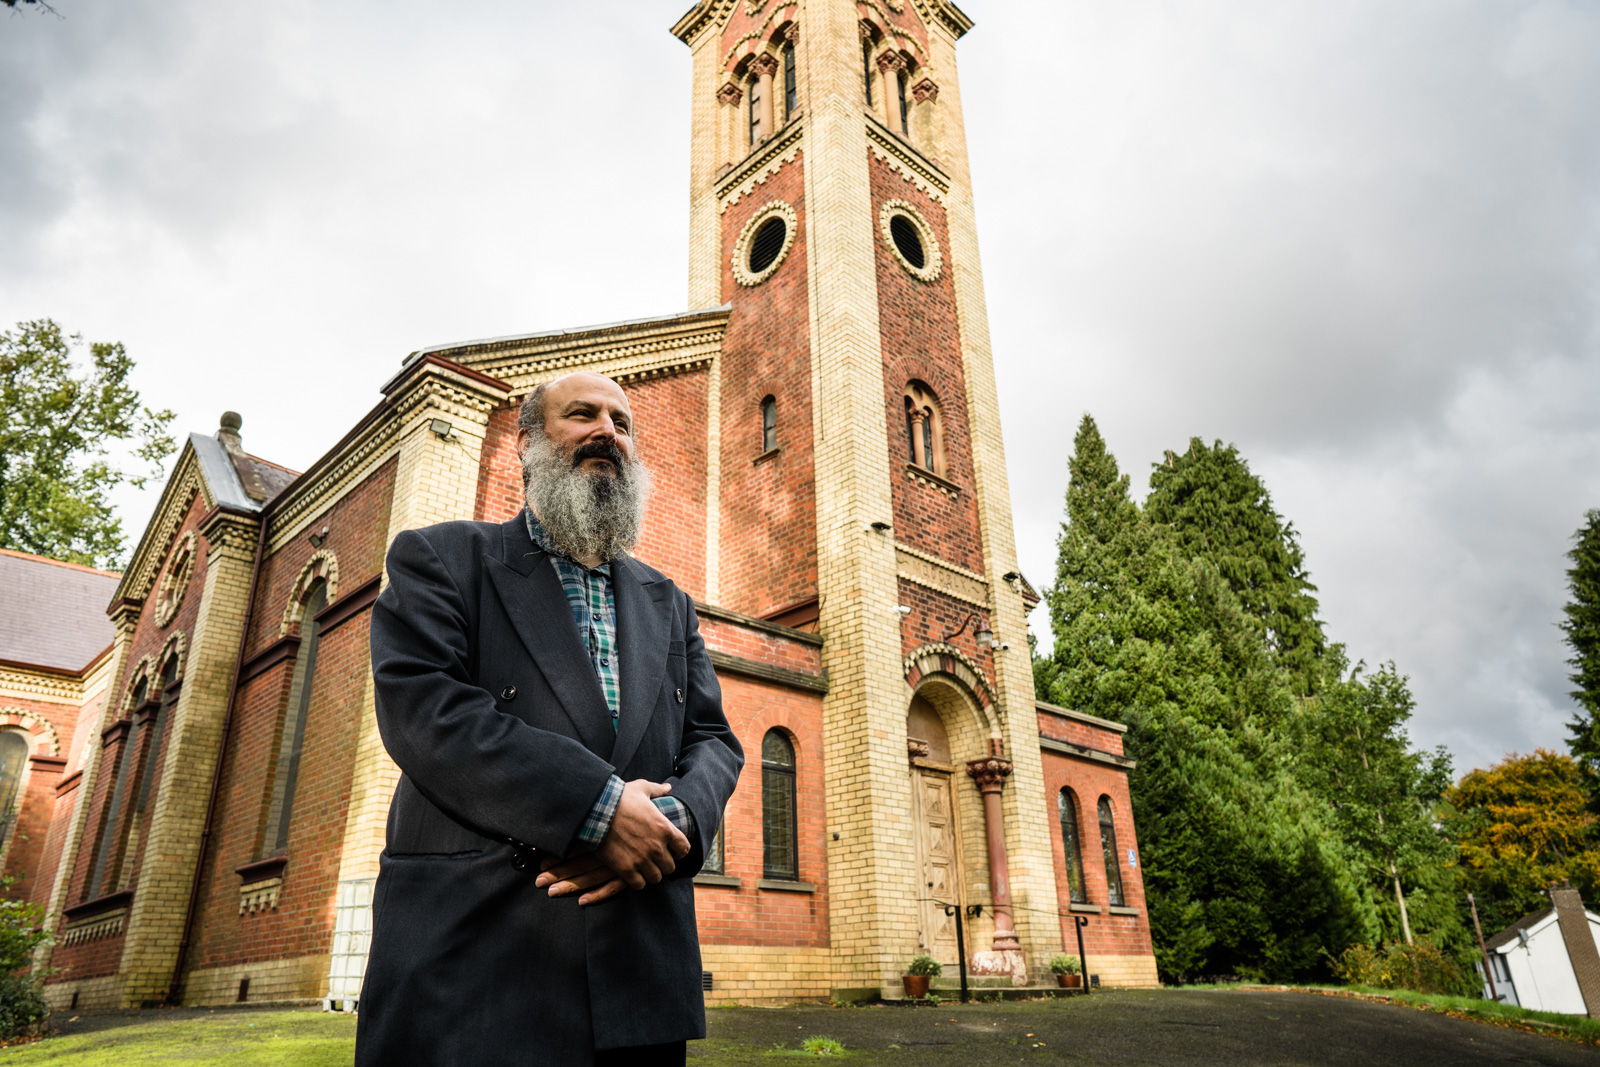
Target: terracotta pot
{"x": 1069, "y": 981}
{"x": 916, "y": 984}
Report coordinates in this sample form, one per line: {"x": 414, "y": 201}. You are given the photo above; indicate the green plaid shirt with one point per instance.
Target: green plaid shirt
{"x": 594, "y": 612}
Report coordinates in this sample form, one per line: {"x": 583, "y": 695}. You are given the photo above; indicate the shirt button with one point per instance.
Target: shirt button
{"x": 508, "y": 693}
{"x": 605, "y": 661}
{"x": 680, "y": 696}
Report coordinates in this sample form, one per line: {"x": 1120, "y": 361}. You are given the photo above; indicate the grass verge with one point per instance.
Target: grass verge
{"x": 238, "y": 1039}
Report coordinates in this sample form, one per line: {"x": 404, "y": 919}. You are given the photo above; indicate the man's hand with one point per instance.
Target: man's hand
{"x": 576, "y": 875}
{"x": 641, "y": 848}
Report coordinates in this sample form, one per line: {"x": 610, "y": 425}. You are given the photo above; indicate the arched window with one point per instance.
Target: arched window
{"x": 755, "y": 111}
{"x": 158, "y": 728}
{"x": 276, "y": 840}
{"x": 1071, "y": 844}
{"x": 924, "y": 429}
{"x": 866, "y": 67}
{"x": 714, "y": 863}
{"x": 13, "y": 758}
{"x": 769, "y": 424}
{"x": 791, "y": 89}
{"x": 104, "y": 843}
{"x": 779, "y": 853}
{"x": 1108, "y": 844}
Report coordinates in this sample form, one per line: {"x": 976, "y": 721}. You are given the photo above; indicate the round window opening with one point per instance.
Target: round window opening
{"x": 908, "y": 240}
{"x": 768, "y": 244}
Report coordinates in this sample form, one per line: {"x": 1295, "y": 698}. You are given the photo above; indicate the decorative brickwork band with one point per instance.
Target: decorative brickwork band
{"x": 730, "y": 94}
{"x": 990, "y": 774}
{"x": 925, "y": 91}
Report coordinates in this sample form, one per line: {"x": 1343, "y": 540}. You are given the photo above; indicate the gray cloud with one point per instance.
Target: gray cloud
{"x": 1359, "y": 240}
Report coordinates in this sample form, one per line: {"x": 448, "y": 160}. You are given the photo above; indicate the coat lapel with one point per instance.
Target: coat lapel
{"x": 644, "y": 628}
{"x": 533, "y": 599}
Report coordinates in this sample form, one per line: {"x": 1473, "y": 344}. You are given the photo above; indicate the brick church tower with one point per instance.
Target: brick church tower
{"x": 206, "y": 798}
{"x": 832, "y": 210}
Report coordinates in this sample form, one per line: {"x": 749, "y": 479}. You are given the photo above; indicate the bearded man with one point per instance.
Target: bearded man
{"x": 564, "y": 766}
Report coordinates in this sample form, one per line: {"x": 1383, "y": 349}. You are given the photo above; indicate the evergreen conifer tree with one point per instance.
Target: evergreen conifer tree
{"x": 1582, "y": 629}
{"x": 1220, "y": 511}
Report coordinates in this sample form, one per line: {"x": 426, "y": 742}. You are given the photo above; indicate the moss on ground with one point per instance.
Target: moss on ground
{"x": 237, "y": 1039}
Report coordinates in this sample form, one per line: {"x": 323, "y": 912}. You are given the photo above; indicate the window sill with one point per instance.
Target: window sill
{"x": 1118, "y": 910}
{"x": 785, "y": 887}
{"x": 927, "y": 477}
{"x": 1087, "y": 909}
{"x": 717, "y": 879}
{"x": 768, "y": 454}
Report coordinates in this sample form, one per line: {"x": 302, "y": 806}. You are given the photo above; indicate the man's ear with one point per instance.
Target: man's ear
{"x": 522, "y": 441}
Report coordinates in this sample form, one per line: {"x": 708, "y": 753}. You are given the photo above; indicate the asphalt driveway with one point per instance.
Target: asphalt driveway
{"x": 1156, "y": 1027}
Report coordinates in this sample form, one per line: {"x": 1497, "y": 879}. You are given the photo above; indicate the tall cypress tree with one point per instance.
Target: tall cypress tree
{"x": 1221, "y": 512}
{"x": 1582, "y": 627}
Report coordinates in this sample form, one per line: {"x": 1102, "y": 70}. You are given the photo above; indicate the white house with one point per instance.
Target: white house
{"x": 1550, "y": 960}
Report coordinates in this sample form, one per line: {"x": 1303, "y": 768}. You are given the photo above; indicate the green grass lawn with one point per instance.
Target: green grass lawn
{"x": 234, "y": 1038}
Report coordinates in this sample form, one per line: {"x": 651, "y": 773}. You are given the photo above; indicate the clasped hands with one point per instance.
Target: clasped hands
{"x": 641, "y": 848}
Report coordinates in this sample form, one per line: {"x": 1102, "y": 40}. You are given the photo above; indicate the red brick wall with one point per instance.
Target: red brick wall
{"x": 769, "y": 525}
{"x": 147, "y": 639}
{"x": 933, "y": 615}
{"x": 499, "y": 470}
{"x": 747, "y": 915}
{"x": 302, "y": 923}
{"x": 759, "y": 645}
{"x": 1106, "y": 934}
{"x": 921, "y": 339}
{"x": 358, "y": 536}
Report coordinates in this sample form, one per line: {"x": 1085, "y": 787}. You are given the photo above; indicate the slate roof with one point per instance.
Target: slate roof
{"x": 1509, "y": 934}
{"x": 53, "y": 614}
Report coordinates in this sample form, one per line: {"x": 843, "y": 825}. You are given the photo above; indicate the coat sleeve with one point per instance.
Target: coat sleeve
{"x": 711, "y": 757}
{"x": 488, "y": 770}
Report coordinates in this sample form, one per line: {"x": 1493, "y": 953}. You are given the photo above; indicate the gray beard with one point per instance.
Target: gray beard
{"x": 585, "y": 515}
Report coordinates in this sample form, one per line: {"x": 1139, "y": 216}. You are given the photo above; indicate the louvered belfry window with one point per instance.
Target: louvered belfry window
{"x": 769, "y": 424}
{"x": 780, "y": 859}
{"x": 755, "y": 112}
{"x": 791, "y": 91}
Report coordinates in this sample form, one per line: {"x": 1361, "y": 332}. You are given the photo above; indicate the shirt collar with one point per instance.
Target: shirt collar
{"x": 541, "y": 537}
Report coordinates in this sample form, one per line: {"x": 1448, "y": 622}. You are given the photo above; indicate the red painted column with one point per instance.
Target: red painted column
{"x": 990, "y": 774}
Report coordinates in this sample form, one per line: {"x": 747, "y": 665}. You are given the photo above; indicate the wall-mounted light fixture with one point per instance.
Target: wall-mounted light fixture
{"x": 984, "y": 635}
{"x": 876, "y": 527}
{"x": 318, "y": 538}
{"x": 442, "y": 427}
{"x": 1010, "y": 577}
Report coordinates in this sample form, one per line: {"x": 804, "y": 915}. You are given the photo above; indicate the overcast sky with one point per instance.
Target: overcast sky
{"x": 1358, "y": 240}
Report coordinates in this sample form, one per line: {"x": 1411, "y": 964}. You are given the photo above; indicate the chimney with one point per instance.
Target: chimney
{"x": 228, "y": 436}
{"x": 1574, "y": 923}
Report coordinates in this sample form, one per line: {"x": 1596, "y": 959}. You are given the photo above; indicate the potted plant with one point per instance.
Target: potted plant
{"x": 923, "y": 969}
{"x": 1067, "y": 970}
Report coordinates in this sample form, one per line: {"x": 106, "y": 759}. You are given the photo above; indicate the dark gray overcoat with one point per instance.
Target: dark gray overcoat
{"x": 488, "y": 704}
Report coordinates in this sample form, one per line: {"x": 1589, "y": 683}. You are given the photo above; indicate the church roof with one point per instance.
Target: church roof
{"x": 53, "y": 614}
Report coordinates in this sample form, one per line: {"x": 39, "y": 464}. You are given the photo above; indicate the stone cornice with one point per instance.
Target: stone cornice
{"x": 945, "y": 13}
{"x": 701, "y": 17}
{"x": 1067, "y": 748}
{"x": 909, "y": 163}
{"x": 227, "y": 530}
{"x": 930, "y": 571}
{"x": 21, "y": 680}
{"x": 760, "y": 164}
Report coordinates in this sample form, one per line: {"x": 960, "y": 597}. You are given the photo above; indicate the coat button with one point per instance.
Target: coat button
{"x": 508, "y": 693}
{"x": 680, "y": 696}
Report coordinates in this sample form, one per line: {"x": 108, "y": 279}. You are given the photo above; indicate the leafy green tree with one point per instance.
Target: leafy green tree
{"x": 1220, "y": 511}
{"x": 1353, "y": 753}
{"x": 1582, "y": 628}
{"x": 1522, "y": 825}
{"x": 56, "y": 429}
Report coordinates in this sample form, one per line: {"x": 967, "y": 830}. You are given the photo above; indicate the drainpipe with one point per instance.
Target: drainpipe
{"x": 216, "y": 773}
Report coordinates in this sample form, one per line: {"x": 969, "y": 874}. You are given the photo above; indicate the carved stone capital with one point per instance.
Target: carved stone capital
{"x": 916, "y": 748}
{"x": 867, "y": 32}
{"x": 891, "y": 60}
{"x": 729, "y": 94}
{"x": 765, "y": 63}
{"x": 990, "y": 773}
{"x": 925, "y": 91}
{"x": 791, "y": 33}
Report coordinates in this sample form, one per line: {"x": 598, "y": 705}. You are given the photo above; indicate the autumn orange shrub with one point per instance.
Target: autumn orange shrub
{"x": 1421, "y": 968}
